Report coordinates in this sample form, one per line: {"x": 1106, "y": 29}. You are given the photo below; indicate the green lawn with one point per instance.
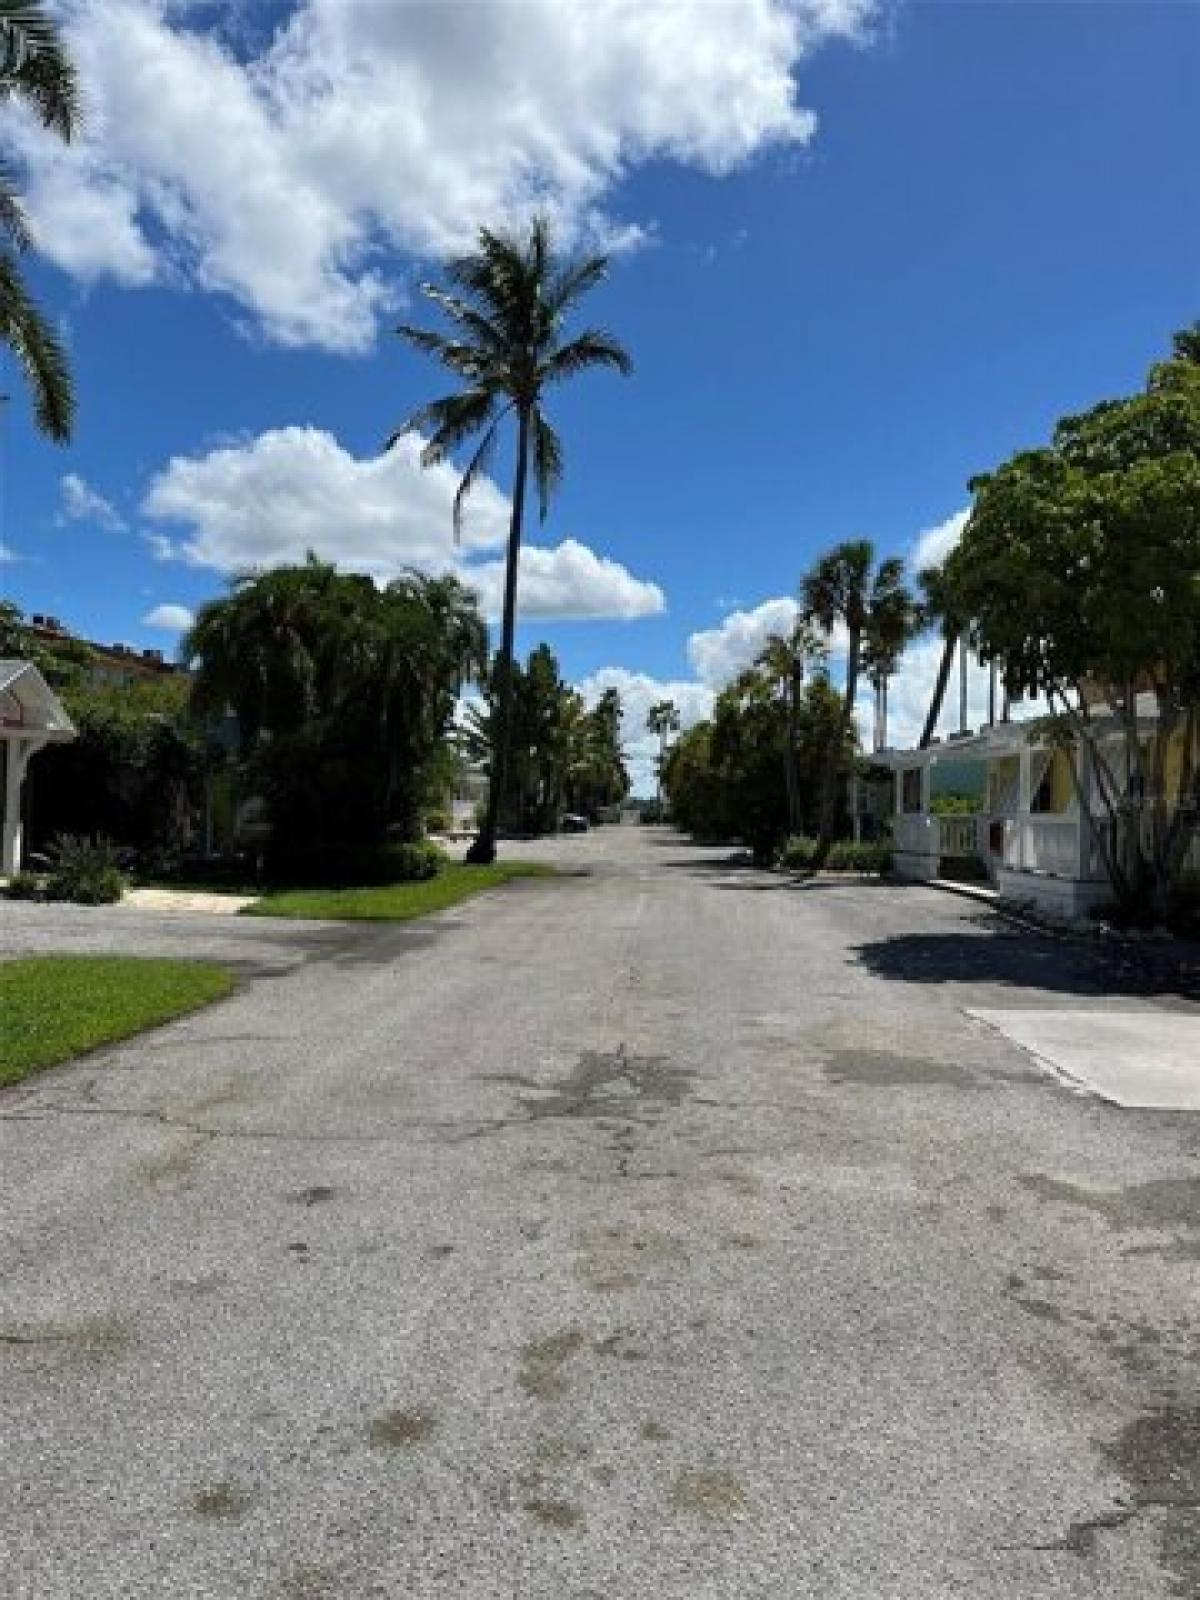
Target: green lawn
{"x": 53, "y": 1007}
{"x": 398, "y": 902}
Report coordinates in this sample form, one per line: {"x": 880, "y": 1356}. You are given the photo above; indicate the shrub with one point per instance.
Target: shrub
{"x": 844, "y": 856}
{"x": 84, "y": 871}
{"x": 956, "y": 805}
{"x": 354, "y": 866}
{"x": 25, "y": 886}
{"x": 437, "y": 822}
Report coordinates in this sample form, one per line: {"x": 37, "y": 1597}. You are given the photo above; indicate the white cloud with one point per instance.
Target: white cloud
{"x": 639, "y": 691}
{"x": 568, "y": 583}
{"x": 81, "y": 503}
{"x": 169, "y": 617}
{"x": 277, "y": 171}
{"x": 7, "y": 553}
{"x": 719, "y": 654}
{"x": 275, "y": 497}
{"x": 933, "y": 545}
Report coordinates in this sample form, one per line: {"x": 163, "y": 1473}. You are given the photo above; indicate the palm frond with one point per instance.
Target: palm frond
{"x": 467, "y": 360}
{"x": 481, "y": 327}
{"x": 39, "y": 352}
{"x": 450, "y": 420}
{"x": 477, "y": 465}
{"x": 12, "y": 213}
{"x": 494, "y": 274}
{"x": 34, "y": 65}
{"x": 573, "y": 281}
{"x": 547, "y": 461}
{"x": 592, "y": 348}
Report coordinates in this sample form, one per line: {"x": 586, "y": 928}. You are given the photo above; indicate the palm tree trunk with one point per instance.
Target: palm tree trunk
{"x": 793, "y": 739}
{"x": 483, "y": 847}
{"x": 949, "y": 646}
{"x": 833, "y": 765}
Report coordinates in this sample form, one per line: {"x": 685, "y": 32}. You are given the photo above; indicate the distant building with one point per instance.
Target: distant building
{"x": 109, "y": 665}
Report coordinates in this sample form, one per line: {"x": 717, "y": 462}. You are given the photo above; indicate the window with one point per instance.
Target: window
{"x": 910, "y": 790}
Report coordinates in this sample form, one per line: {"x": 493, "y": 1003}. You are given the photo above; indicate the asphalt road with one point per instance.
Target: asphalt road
{"x": 665, "y": 1232}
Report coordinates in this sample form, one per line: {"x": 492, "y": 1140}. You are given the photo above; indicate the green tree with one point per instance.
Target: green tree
{"x": 344, "y": 694}
{"x": 785, "y": 658}
{"x": 725, "y": 778}
{"x": 562, "y": 756}
{"x": 1079, "y": 572}
{"x": 133, "y": 774}
{"x": 34, "y": 69}
{"x": 872, "y": 602}
{"x": 597, "y": 777}
{"x": 662, "y": 719}
{"x": 507, "y": 305}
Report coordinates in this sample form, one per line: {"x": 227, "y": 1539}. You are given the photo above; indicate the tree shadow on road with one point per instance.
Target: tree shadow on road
{"x": 992, "y": 952}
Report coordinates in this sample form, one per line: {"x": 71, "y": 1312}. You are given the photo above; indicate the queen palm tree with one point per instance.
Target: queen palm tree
{"x": 937, "y": 608}
{"x": 784, "y": 658}
{"x": 662, "y": 719}
{"x": 507, "y": 304}
{"x": 34, "y": 68}
{"x": 874, "y": 605}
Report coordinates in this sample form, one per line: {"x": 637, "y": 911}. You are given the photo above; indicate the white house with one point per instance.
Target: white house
{"x": 1030, "y": 835}
{"x": 31, "y": 717}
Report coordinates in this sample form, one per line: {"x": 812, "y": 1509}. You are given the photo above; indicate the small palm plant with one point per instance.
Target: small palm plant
{"x": 35, "y": 68}
{"x": 507, "y": 304}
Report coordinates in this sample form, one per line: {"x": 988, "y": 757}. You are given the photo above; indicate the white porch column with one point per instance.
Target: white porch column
{"x": 15, "y": 757}
{"x": 1024, "y": 799}
{"x": 1083, "y": 833}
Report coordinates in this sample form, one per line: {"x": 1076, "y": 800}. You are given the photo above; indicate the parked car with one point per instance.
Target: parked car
{"x": 572, "y": 822}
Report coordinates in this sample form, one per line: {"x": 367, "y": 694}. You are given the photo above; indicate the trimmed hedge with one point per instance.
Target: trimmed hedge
{"x": 844, "y": 856}
{"x": 355, "y": 866}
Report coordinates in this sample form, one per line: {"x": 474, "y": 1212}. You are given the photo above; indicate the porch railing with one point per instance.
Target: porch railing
{"x": 919, "y": 834}
{"x": 959, "y": 836}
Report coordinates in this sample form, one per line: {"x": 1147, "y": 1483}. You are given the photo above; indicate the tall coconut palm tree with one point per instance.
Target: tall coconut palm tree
{"x": 662, "y": 719}
{"x": 507, "y": 305}
{"x": 34, "y": 68}
{"x": 872, "y": 602}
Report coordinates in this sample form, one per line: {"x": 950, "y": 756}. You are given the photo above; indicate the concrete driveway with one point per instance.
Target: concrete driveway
{"x": 666, "y": 1231}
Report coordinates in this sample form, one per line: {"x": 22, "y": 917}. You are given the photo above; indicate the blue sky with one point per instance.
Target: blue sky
{"x": 994, "y": 221}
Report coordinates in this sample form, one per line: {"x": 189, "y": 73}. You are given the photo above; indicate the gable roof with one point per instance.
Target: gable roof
{"x": 28, "y": 705}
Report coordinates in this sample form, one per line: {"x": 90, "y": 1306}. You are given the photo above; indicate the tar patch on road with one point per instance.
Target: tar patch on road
{"x": 544, "y": 1362}
{"x": 558, "y": 1514}
{"x": 615, "y": 1259}
{"x": 606, "y": 1083}
{"x": 1158, "y": 1455}
{"x": 712, "y": 1494}
{"x": 401, "y": 1430}
{"x": 223, "y": 1501}
{"x": 877, "y": 1069}
{"x": 91, "y": 1338}
{"x": 1165, "y": 1205}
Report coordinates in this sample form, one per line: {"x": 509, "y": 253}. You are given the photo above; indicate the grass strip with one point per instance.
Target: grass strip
{"x": 55, "y": 1007}
{"x": 397, "y": 902}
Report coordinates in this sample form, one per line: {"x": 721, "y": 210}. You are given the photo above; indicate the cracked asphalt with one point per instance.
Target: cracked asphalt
{"x": 662, "y": 1231}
